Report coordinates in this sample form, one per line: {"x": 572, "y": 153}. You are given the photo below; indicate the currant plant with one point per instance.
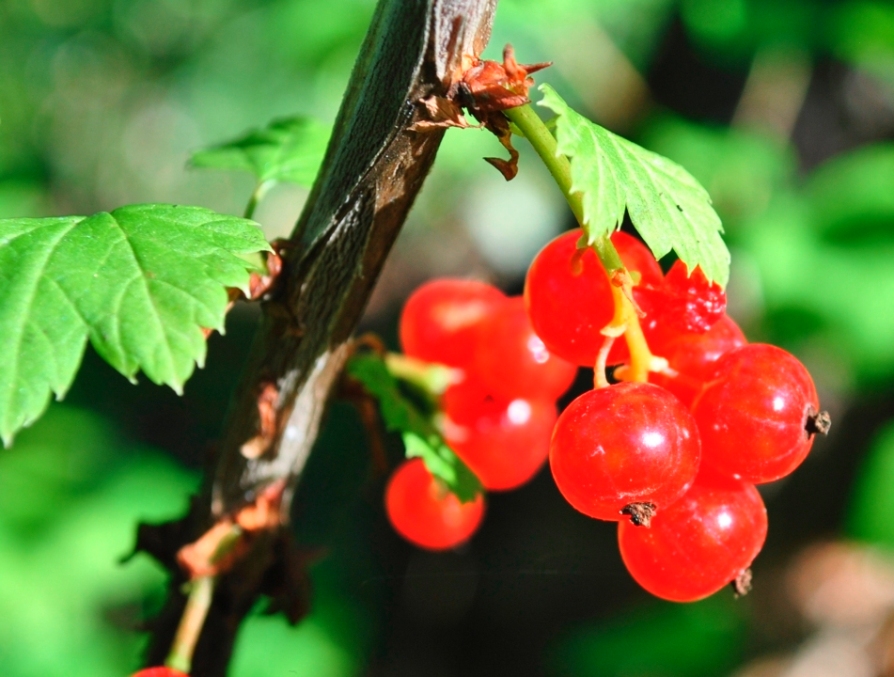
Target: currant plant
{"x": 145, "y": 284}
{"x": 696, "y": 416}
{"x": 658, "y": 445}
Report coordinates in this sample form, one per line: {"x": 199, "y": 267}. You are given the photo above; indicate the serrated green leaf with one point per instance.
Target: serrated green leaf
{"x": 287, "y": 150}
{"x": 420, "y": 436}
{"x": 140, "y": 282}
{"x": 669, "y": 208}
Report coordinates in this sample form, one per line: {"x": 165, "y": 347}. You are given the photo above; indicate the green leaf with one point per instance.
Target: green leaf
{"x": 669, "y": 208}
{"x": 287, "y": 150}
{"x": 140, "y": 282}
{"x": 420, "y": 436}
{"x": 742, "y": 168}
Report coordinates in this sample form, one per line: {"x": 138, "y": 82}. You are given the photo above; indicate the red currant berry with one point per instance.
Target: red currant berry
{"x": 638, "y": 260}
{"x": 504, "y": 442}
{"x": 691, "y": 355}
{"x": 757, "y": 414}
{"x": 685, "y": 301}
{"x": 699, "y": 544}
{"x": 424, "y": 512}
{"x": 465, "y": 399}
{"x": 159, "y": 672}
{"x": 630, "y": 443}
{"x": 440, "y": 320}
{"x": 569, "y": 299}
{"x": 511, "y": 360}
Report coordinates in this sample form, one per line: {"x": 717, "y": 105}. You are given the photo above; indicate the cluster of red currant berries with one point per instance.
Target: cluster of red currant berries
{"x": 674, "y": 460}
{"x": 681, "y": 454}
{"x": 499, "y": 414}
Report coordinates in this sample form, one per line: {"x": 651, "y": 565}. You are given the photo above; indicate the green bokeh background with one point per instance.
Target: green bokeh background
{"x": 783, "y": 109}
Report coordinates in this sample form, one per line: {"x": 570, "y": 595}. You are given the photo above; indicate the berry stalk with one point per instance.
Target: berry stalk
{"x": 432, "y": 377}
{"x": 201, "y": 592}
{"x": 625, "y": 320}
{"x": 541, "y": 138}
{"x": 198, "y": 603}
{"x": 256, "y": 196}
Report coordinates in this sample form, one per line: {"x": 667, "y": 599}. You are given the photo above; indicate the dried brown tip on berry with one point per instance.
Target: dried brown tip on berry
{"x": 641, "y": 514}
{"x": 742, "y": 584}
{"x": 818, "y": 422}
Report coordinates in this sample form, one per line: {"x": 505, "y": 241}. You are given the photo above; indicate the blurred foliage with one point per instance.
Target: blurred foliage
{"x": 859, "y": 32}
{"x": 872, "y": 504}
{"x": 71, "y": 493}
{"x": 660, "y": 640}
{"x": 737, "y": 28}
{"x": 287, "y": 150}
{"x": 783, "y": 109}
{"x": 740, "y": 168}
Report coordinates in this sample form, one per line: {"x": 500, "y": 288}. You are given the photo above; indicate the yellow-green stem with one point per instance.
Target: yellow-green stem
{"x": 432, "y": 377}
{"x": 640, "y": 355}
{"x": 201, "y": 592}
{"x": 543, "y": 141}
{"x": 257, "y": 195}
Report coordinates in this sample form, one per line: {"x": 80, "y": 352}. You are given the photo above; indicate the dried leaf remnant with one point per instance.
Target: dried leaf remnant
{"x": 486, "y": 89}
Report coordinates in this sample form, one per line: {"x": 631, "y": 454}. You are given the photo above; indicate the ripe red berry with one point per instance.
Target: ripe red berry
{"x": 159, "y": 672}
{"x": 692, "y": 355}
{"x": 504, "y": 442}
{"x": 685, "y": 301}
{"x": 757, "y": 415}
{"x": 630, "y": 443}
{"x": 699, "y": 544}
{"x": 568, "y": 295}
{"x": 511, "y": 360}
{"x": 698, "y": 304}
{"x": 423, "y": 511}
{"x": 440, "y": 320}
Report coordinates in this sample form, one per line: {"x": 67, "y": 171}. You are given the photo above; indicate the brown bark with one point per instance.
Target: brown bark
{"x": 374, "y": 167}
